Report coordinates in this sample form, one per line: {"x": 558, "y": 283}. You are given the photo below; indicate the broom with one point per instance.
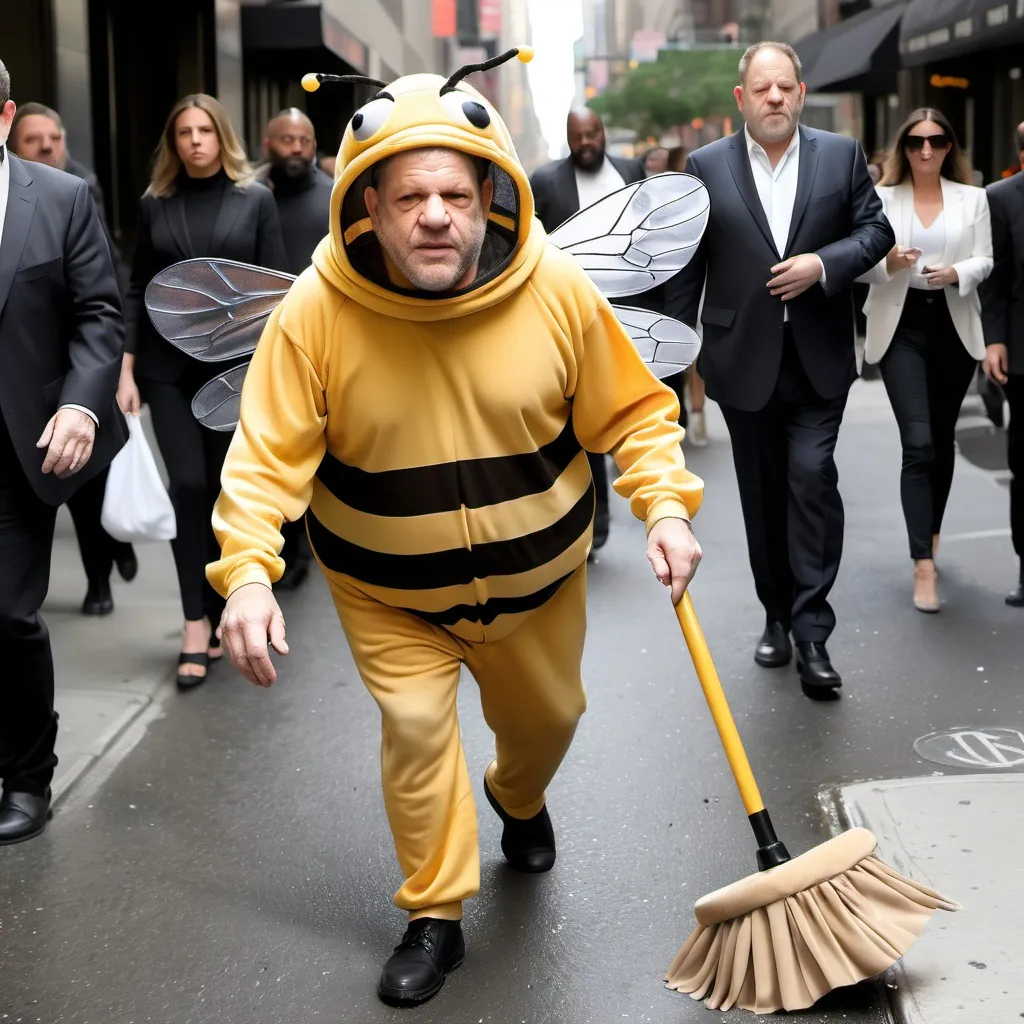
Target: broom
{"x": 781, "y": 939}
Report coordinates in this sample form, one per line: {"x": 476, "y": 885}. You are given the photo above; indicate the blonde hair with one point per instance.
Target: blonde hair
{"x": 167, "y": 164}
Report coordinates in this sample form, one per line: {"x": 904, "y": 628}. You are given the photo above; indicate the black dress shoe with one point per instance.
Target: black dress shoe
{"x": 126, "y": 562}
{"x": 528, "y": 845}
{"x": 415, "y": 971}
{"x": 98, "y": 598}
{"x": 1015, "y": 598}
{"x": 819, "y": 680}
{"x": 23, "y": 816}
{"x": 774, "y": 649}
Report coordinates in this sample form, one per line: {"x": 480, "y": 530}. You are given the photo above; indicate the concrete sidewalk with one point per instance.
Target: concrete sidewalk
{"x": 109, "y": 669}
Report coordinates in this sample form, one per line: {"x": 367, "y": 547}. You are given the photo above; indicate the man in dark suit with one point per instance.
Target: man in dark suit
{"x": 1002, "y": 316}
{"x": 38, "y": 134}
{"x": 61, "y": 341}
{"x": 794, "y": 221}
{"x": 565, "y": 187}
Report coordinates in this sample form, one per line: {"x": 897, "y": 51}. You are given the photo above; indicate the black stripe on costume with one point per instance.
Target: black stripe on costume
{"x": 447, "y": 486}
{"x": 457, "y": 566}
{"x": 486, "y": 613}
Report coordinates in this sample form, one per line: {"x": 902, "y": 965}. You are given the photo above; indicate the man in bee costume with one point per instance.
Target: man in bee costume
{"x": 427, "y": 389}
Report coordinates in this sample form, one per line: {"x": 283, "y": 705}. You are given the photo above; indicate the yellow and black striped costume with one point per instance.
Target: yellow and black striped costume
{"x": 437, "y": 443}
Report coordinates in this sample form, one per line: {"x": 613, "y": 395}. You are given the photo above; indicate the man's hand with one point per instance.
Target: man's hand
{"x": 251, "y": 616}
{"x": 997, "y": 363}
{"x": 794, "y": 276}
{"x": 674, "y": 554}
{"x": 901, "y": 257}
{"x": 939, "y": 275}
{"x": 68, "y": 438}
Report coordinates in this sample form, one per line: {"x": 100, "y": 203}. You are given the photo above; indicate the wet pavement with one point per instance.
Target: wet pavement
{"x": 231, "y": 861}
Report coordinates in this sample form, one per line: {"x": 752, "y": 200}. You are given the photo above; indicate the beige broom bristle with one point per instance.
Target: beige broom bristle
{"x": 782, "y": 939}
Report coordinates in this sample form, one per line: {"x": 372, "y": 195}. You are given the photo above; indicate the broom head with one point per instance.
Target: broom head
{"x": 783, "y": 938}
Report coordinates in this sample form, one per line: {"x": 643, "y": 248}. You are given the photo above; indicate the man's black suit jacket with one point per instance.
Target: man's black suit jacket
{"x": 61, "y": 334}
{"x": 247, "y": 229}
{"x": 1002, "y": 293}
{"x": 837, "y": 215}
{"x": 556, "y": 199}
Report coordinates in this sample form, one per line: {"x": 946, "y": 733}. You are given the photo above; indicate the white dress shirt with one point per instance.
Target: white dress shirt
{"x": 595, "y": 185}
{"x": 776, "y": 188}
{"x": 931, "y": 241}
{"x": 5, "y": 195}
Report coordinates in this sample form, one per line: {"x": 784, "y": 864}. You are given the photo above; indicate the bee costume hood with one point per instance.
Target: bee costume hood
{"x": 416, "y": 112}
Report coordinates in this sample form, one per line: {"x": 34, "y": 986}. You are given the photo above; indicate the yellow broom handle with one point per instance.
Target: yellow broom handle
{"x": 715, "y": 695}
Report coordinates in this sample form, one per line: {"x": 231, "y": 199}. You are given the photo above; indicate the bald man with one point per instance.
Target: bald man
{"x": 303, "y": 195}
{"x": 561, "y": 189}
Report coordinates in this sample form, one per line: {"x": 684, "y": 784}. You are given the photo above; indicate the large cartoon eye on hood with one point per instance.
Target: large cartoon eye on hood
{"x": 370, "y": 118}
{"x": 461, "y": 108}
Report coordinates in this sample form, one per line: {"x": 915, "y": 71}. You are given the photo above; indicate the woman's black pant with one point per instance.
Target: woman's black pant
{"x": 926, "y": 371}
{"x": 194, "y": 456}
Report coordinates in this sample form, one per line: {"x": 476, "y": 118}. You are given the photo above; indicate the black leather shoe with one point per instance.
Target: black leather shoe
{"x": 528, "y": 845}
{"x": 774, "y": 649}
{"x": 1015, "y": 598}
{"x": 98, "y": 598}
{"x": 23, "y": 816}
{"x": 415, "y": 971}
{"x": 819, "y": 680}
{"x": 126, "y": 562}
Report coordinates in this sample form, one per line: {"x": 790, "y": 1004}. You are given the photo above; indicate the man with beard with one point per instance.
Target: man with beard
{"x": 794, "y": 221}
{"x": 561, "y": 189}
{"x": 303, "y": 195}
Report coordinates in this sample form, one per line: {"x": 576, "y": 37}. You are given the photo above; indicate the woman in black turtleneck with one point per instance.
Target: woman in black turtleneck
{"x": 201, "y": 201}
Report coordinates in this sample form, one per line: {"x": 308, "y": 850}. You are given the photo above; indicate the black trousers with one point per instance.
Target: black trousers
{"x": 97, "y": 548}
{"x": 28, "y": 722}
{"x": 926, "y": 371}
{"x": 194, "y": 457}
{"x": 1014, "y": 390}
{"x": 789, "y": 493}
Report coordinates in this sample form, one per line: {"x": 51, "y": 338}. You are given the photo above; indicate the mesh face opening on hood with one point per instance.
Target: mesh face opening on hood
{"x": 364, "y": 251}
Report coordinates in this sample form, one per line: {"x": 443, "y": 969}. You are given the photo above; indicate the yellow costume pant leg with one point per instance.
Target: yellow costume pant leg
{"x": 411, "y": 669}
{"x": 532, "y": 696}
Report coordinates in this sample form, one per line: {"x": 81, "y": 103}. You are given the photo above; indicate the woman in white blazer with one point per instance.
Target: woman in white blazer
{"x": 924, "y": 320}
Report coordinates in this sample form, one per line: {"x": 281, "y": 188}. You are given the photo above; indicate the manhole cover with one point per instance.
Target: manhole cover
{"x": 996, "y": 747}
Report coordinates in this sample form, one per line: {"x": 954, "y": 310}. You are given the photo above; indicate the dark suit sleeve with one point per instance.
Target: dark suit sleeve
{"x": 996, "y": 290}
{"x": 869, "y": 241}
{"x": 540, "y": 196}
{"x": 270, "y": 250}
{"x": 682, "y": 292}
{"x": 141, "y": 275}
{"x": 96, "y": 345}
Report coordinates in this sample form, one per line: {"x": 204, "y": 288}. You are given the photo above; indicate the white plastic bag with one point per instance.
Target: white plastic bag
{"x": 136, "y": 507}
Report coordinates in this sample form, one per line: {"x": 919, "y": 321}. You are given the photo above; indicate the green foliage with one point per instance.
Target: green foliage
{"x": 680, "y": 86}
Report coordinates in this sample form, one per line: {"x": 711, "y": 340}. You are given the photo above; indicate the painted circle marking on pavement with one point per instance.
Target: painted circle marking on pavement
{"x": 995, "y": 747}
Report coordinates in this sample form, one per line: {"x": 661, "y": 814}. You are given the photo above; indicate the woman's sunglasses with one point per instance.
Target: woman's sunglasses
{"x": 915, "y": 143}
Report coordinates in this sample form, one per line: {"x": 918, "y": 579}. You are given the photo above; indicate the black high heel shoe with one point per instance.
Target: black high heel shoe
{"x": 190, "y": 682}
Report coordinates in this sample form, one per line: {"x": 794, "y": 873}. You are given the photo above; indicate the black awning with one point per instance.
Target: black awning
{"x": 301, "y": 26}
{"x": 860, "y": 54}
{"x": 933, "y": 30}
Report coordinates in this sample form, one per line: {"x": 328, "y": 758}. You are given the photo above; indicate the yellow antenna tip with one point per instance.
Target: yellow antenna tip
{"x": 310, "y": 82}
{"x": 525, "y": 54}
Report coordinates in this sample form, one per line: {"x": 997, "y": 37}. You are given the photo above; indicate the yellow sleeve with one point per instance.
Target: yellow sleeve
{"x": 274, "y": 454}
{"x": 620, "y": 407}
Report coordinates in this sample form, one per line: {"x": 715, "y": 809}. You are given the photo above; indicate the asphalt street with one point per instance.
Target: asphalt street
{"x": 232, "y": 864}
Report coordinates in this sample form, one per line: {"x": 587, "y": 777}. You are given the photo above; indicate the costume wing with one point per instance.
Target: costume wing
{"x": 666, "y": 345}
{"x": 217, "y": 403}
{"x": 214, "y": 309}
{"x": 640, "y": 236}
